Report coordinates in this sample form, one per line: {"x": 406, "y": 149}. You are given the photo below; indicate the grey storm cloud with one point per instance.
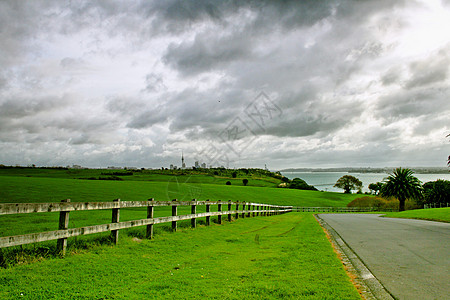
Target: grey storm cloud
{"x": 432, "y": 70}
{"x": 117, "y": 82}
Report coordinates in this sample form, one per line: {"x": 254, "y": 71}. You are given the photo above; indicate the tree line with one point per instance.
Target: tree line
{"x": 402, "y": 185}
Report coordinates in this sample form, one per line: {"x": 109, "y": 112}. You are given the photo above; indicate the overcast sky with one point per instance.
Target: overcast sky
{"x": 237, "y": 83}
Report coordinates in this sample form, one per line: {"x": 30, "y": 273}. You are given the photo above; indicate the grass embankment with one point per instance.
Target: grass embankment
{"x": 279, "y": 257}
{"x": 432, "y": 214}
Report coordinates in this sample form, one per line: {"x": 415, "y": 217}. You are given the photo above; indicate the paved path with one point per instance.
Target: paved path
{"x": 411, "y": 258}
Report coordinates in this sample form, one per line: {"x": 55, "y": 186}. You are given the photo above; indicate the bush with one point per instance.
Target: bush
{"x": 244, "y": 181}
{"x": 228, "y": 183}
{"x": 381, "y": 203}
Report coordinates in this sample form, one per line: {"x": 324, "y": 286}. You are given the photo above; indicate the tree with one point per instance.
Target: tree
{"x": 437, "y": 192}
{"x": 244, "y": 181}
{"x": 348, "y": 183}
{"x": 228, "y": 183}
{"x": 402, "y": 185}
{"x": 375, "y": 187}
{"x": 234, "y": 174}
{"x": 300, "y": 184}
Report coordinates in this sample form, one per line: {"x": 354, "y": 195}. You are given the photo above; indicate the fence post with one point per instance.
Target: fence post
{"x": 253, "y": 209}
{"x": 115, "y": 219}
{"x": 150, "y": 211}
{"x": 193, "y": 211}
{"x": 174, "y": 214}
{"x": 243, "y": 210}
{"x": 229, "y": 209}
{"x": 219, "y": 217}
{"x": 249, "y": 207}
{"x": 208, "y": 209}
{"x": 237, "y": 208}
{"x": 63, "y": 225}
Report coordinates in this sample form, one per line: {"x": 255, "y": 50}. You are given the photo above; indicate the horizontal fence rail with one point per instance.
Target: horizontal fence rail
{"x": 65, "y": 207}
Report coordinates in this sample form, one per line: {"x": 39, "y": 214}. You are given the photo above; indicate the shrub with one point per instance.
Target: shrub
{"x": 228, "y": 183}
{"x": 381, "y": 203}
{"x": 244, "y": 181}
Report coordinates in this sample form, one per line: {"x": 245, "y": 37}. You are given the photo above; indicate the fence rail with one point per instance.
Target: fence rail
{"x": 65, "y": 207}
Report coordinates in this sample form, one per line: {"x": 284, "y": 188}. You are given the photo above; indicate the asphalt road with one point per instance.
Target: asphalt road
{"x": 411, "y": 258}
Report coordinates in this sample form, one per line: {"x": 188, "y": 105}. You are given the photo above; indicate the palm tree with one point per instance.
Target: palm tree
{"x": 402, "y": 185}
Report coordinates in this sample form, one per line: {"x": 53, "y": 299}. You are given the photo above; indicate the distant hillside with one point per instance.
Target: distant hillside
{"x": 420, "y": 170}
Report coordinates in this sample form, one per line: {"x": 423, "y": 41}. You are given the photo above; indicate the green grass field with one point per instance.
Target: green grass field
{"x": 24, "y": 189}
{"x": 280, "y": 257}
{"x": 432, "y": 214}
{"x": 285, "y": 256}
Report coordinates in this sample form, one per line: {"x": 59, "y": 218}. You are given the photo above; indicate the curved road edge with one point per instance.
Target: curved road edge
{"x": 371, "y": 288}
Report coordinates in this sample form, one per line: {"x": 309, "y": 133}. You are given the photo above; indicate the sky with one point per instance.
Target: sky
{"x": 274, "y": 84}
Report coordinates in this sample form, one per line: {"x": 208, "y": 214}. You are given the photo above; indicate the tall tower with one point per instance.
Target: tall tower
{"x": 183, "y": 165}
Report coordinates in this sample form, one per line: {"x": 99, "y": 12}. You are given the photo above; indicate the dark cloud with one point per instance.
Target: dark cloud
{"x": 431, "y": 70}
{"x": 413, "y": 103}
{"x": 208, "y": 52}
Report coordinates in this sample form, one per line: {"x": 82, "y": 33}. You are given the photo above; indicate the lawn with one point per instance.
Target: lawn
{"x": 14, "y": 189}
{"x": 278, "y": 257}
{"x": 432, "y": 214}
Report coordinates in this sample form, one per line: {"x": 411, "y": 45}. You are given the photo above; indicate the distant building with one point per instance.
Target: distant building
{"x": 183, "y": 165}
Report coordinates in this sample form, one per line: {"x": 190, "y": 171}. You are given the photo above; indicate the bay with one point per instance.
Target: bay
{"x": 324, "y": 181}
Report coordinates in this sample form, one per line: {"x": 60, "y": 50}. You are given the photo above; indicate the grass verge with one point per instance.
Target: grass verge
{"x": 286, "y": 256}
{"x": 432, "y": 214}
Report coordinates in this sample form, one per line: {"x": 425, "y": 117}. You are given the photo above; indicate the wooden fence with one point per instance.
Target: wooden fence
{"x": 242, "y": 209}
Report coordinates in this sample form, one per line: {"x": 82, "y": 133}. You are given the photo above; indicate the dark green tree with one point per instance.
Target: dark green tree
{"x": 300, "y": 184}
{"x": 348, "y": 183}
{"x": 402, "y": 185}
{"x": 244, "y": 181}
{"x": 234, "y": 174}
{"x": 228, "y": 183}
{"x": 437, "y": 191}
{"x": 375, "y": 187}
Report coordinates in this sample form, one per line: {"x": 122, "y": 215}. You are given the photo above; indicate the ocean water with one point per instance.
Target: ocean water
{"x": 324, "y": 181}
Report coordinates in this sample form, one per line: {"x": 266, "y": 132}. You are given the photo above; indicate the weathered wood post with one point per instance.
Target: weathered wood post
{"x": 208, "y": 209}
{"x": 229, "y": 209}
{"x": 249, "y": 208}
{"x": 257, "y": 210}
{"x": 253, "y": 208}
{"x": 219, "y": 209}
{"x": 174, "y": 214}
{"x": 115, "y": 219}
{"x": 193, "y": 211}
{"x": 63, "y": 225}
{"x": 150, "y": 211}
{"x": 243, "y": 210}
{"x": 237, "y": 209}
